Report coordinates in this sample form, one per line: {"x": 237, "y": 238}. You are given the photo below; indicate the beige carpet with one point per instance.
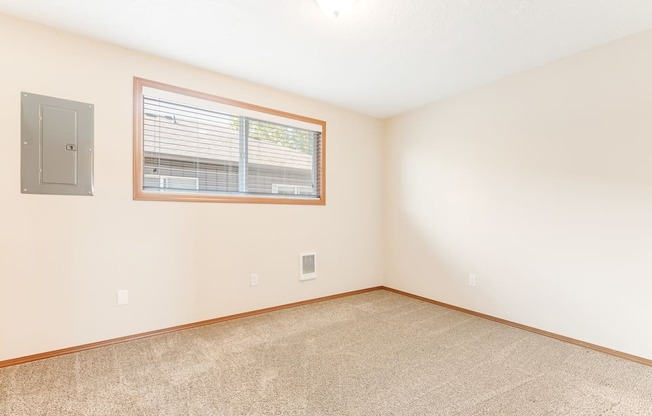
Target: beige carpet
{"x": 377, "y": 353}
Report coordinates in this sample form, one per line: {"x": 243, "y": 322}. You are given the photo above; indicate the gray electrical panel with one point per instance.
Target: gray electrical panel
{"x": 56, "y": 146}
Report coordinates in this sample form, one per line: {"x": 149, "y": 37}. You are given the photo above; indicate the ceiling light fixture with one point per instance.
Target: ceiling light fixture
{"x": 335, "y": 7}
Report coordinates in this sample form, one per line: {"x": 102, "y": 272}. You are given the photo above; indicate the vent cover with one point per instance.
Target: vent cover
{"x": 308, "y": 266}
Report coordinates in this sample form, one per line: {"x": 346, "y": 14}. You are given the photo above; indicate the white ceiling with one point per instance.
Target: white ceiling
{"x": 382, "y": 58}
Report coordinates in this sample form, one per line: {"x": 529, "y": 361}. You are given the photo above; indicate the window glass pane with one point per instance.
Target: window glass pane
{"x": 283, "y": 156}
{"x": 189, "y": 142}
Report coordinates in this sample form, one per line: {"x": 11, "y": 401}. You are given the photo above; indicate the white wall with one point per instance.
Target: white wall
{"x": 541, "y": 185}
{"x": 62, "y": 258}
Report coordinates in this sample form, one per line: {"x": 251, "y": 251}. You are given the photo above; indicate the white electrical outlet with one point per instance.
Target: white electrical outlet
{"x": 472, "y": 280}
{"x": 122, "y": 297}
{"x": 254, "y": 279}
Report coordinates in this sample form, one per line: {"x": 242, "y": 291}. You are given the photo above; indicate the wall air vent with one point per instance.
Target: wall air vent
{"x": 308, "y": 266}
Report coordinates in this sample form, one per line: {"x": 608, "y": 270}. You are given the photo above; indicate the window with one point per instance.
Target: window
{"x": 164, "y": 182}
{"x": 191, "y": 146}
{"x": 278, "y": 188}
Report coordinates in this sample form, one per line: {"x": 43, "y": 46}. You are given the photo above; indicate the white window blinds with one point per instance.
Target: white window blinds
{"x": 196, "y": 146}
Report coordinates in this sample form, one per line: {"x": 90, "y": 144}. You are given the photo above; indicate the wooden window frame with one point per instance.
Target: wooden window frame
{"x": 138, "y": 151}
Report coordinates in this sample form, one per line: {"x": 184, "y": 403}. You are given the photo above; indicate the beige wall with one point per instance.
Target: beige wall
{"x": 62, "y": 258}
{"x": 541, "y": 185}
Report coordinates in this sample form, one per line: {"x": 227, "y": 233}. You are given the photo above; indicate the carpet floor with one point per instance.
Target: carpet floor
{"x": 378, "y": 353}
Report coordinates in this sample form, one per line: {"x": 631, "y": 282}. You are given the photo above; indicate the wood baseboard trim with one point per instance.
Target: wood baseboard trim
{"x": 563, "y": 338}
{"x": 84, "y": 347}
